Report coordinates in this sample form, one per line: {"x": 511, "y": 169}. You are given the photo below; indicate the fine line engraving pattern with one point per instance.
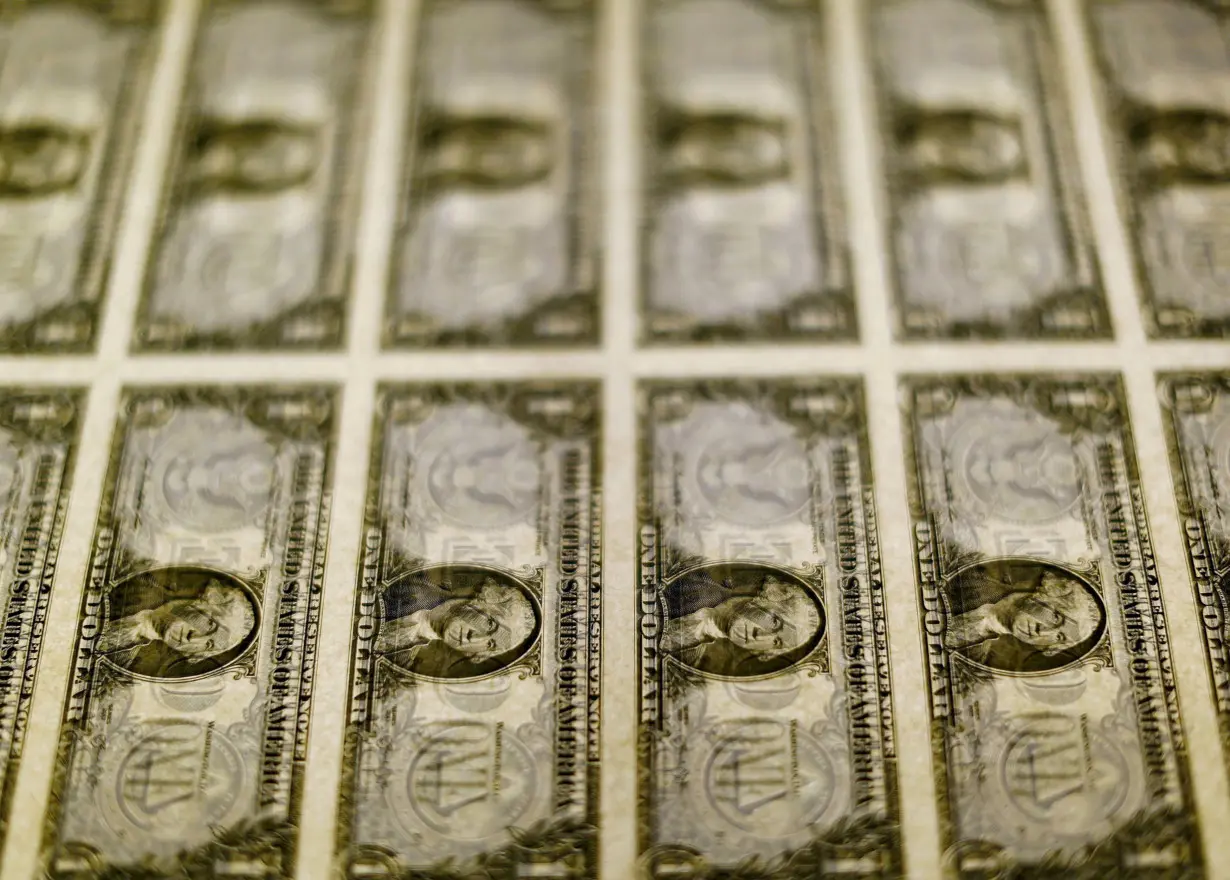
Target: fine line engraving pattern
{"x": 771, "y": 240}
{"x": 73, "y": 79}
{"x": 1197, "y": 423}
{"x": 38, "y": 446}
{"x": 1164, "y": 66}
{"x": 252, "y": 247}
{"x": 186, "y": 718}
{"x": 766, "y": 711}
{"x": 472, "y": 738}
{"x": 744, "y": 234}
{"x": 987, "y": 226}
{"x": 1058, "y": 744}
{"x": 495, "y": 242}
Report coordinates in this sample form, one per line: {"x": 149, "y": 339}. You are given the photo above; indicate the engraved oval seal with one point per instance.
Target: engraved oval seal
{"x": 753, "y": 473}
{"x": 1057, "y": 772}
{"x": 484, "y": 469}
{"x": 1022, "y": 616}
{"x": 768, "y": 777}
{"x": 220, "y": 486}
{"x": 457, "y": 622}
{"x": 1022, "y": 470}
{"x": 178, "y": 622}
{"x": 179, "y": 776}
{"x": 740, "y": 619}
{"x": 470, "y": 779}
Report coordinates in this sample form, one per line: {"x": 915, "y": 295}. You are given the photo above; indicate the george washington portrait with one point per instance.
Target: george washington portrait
{"x": 177, "y": 622}
{"x": 1022, "y": 615}
{"x": 740, "y": 620}
{"x": 456, "y": 622}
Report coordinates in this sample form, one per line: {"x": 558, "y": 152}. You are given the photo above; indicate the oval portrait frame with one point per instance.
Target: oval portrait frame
{"x": 795, "y": 578}
{"x": 504, "y": 579}
{"x": 1091, "y": 644}
{"x": 234, "y": 655}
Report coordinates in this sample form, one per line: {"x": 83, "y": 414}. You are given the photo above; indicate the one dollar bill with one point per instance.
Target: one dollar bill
{"x": 1056, "y": 733}
{"x": 766, "y": 715}
{"x": 73, "y": 78}
{"x": 987, "y": 227}
{"x": 472, "y": 742}
{"x": 186, "y": 721}
{"x": 253, "y": 244}
{"x": 38, "y": 440}
{"x": 1164, "y": 65}
{"x": 496, "y": 241}
{"x": 1197, "y": 410}
{"x": 743, "y": 236}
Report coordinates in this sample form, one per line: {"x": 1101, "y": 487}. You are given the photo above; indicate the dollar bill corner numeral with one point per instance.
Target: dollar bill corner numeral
{"x": 1160, "y": 63}
{"x": 1058, "y": 739}
{"x": 988, "y": 229}
{"x": 185, "y": 722}
{"x": 744, "y": 236}
{"x": 75, "y": 77}
{"x": 496, "y": 243}
{"x": 765, "y": 696}
{"x": 474, "y": 711}
{"x": 253, "y": 246}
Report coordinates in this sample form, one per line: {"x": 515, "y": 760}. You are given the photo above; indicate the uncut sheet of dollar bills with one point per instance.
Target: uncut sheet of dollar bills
{"x": 624, "y": 439}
